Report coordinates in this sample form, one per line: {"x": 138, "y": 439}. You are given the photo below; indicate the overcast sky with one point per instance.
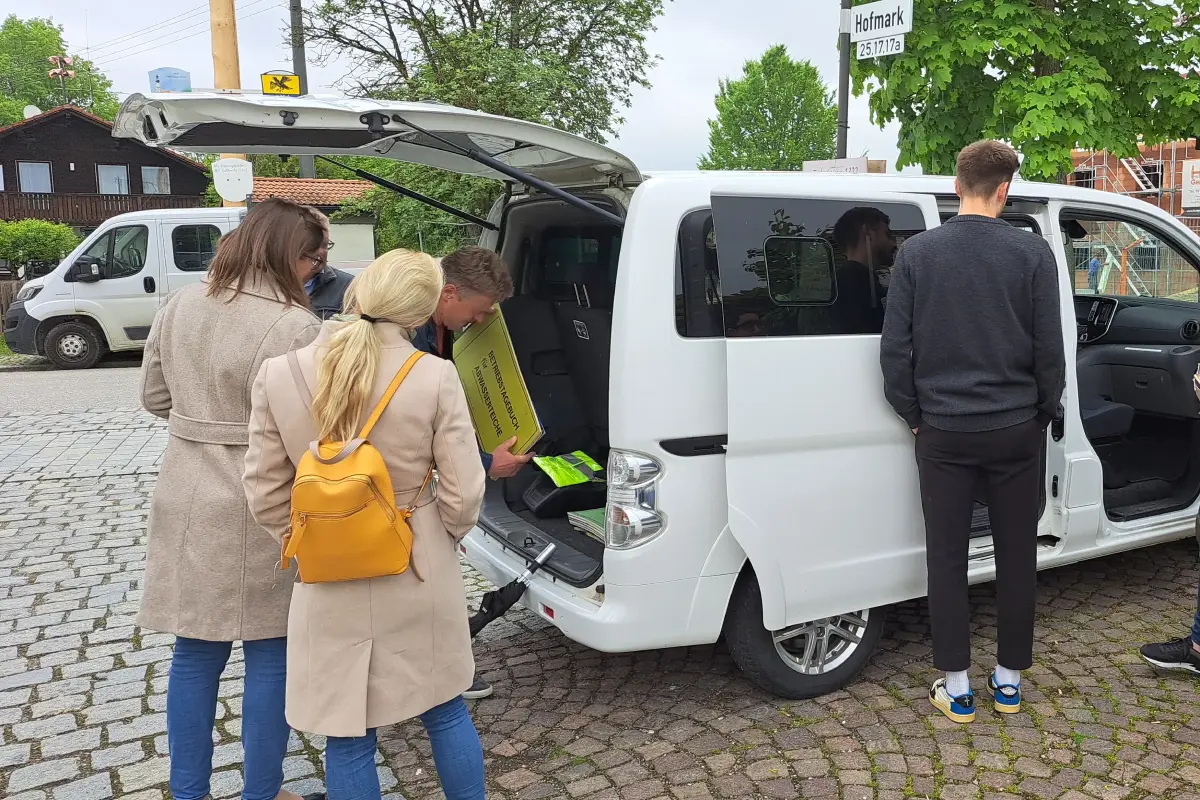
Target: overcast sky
{"x": 700, "y": 41}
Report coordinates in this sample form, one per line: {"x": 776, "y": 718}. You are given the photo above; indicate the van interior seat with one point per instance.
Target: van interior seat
{"x": 586, "y": 334}
{"x": 1104, "y": 419}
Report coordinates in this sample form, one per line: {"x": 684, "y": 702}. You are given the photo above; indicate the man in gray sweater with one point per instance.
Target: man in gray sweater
{"x": 973, "y": 361}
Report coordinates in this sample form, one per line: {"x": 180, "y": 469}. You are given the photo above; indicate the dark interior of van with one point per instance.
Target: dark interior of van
{"x": 564, "y": 264}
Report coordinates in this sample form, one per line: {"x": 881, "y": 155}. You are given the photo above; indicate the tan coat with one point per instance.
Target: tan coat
{"x": 368, "y": 653}
{"x": 210, "y": 570}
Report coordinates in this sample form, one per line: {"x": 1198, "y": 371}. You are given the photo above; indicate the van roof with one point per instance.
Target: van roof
{"x": 172, "y": 213}
{"x": 940, "y": 185}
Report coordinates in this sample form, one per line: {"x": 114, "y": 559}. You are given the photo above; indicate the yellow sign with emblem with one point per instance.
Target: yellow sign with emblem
{"x": 286, "y": 83}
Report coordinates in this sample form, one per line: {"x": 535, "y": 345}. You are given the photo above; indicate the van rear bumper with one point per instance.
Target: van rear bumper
{"x": 623, "y": 619}
{"x": 20, "y": 330}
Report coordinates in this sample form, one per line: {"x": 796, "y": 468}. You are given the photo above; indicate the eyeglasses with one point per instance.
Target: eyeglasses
{"x": 329, "y": 245}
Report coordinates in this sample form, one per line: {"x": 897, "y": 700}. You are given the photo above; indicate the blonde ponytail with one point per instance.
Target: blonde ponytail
{"x": 400, "y": 287}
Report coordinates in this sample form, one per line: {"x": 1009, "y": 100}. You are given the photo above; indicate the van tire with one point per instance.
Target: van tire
{"x": 74, "y": 345}
{"x": 754, "y": 650}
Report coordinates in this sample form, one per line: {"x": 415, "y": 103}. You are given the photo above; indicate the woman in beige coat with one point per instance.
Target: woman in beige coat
{"x": 377, "y": 651}
{"x": 210, "y": 576}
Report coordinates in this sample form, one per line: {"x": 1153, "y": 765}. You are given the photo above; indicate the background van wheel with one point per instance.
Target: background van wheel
{"x": 74, "y": 345}
{"x": 801, "y": 661}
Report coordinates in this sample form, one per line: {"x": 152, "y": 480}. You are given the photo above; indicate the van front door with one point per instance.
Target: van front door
{"x": 822, "y": 480}
{"x": 125, "y": 298}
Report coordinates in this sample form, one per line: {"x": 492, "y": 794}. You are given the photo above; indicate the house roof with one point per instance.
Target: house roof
{"x": 92, "y": 118}
{"x": 320, "y": 192}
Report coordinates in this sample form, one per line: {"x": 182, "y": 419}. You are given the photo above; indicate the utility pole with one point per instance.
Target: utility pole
{"x": 227, "y": 68}
{"x": 308, "y": 165}
{"x": 843, "y": 118}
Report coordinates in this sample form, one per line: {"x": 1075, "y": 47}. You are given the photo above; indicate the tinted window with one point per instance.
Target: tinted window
{"x": 807, "y": 267}
{"x": 697, "y": 280}
{"x": 194, "y": 246}
{"x": 580, "y": 265}
{"x": 128, "y": 252}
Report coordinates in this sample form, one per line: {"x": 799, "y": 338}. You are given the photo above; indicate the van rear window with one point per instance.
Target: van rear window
{"x": 697, "y": 280}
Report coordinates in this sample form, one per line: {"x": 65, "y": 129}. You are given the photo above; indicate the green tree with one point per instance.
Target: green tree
{"x": 778, "y": 115}
{"x": 1045, "y": 75}
{"x": 34, "y": 241}
{"x": 568, "y": 63}
{"x": 25, "y": 46}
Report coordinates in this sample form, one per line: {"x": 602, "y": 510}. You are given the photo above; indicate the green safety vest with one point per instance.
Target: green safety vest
{"x": 571, "y": 469}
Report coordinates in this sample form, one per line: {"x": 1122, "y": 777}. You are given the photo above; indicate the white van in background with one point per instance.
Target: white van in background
{"x": 103, "y": 296}
{"x": 701, "y": 334}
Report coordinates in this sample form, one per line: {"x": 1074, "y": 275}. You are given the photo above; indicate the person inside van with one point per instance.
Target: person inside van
{"x": 376, "y": 651}
{"x": 865, "y": 237}
{"x": 476, "y": 279}
{"x": 210, "y": 570}
{"x": 326, "y": 286}
{"x": 973, "y": 362}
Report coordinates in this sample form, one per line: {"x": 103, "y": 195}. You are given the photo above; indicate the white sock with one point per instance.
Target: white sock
{"x": 957, "y": 683}
{"x": 1008, "y": 677}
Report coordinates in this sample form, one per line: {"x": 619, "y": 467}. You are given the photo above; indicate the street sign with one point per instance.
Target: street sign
{"x": 874, "y": 48}
{"x": 170, "y": 79}
{"x": 233, "y": 178}
{"x": 881, "y": 20}
{"x": 849, "y": 166}
{"x": 1191, "y": 184}
{"x": 286, "y": 83}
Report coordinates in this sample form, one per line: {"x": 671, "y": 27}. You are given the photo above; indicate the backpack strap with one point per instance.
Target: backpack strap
{"x": 391, "y": 391}
{"x": 298, "y": 377}
{"x": 411, "y": 507}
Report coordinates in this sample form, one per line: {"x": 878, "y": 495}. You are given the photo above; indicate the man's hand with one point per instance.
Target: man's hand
{"x": 504, "y": 463}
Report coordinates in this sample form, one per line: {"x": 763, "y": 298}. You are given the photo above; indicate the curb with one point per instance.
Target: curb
{"x": 31, "y": 366}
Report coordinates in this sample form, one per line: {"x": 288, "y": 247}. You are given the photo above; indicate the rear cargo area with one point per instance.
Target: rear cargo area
{"x": 564, "y": 265}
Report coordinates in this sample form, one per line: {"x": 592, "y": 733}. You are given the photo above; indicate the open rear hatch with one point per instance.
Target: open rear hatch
{"x": 431, "y": 134}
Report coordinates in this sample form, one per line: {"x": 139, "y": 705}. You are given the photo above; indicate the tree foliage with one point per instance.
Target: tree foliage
{"x": 567, "y": 63}
{"x": 775, "y": 117}
{"x": 25, "y": 46}
{"x": 35, "y": 241}
{"x": 1045, "y": 75}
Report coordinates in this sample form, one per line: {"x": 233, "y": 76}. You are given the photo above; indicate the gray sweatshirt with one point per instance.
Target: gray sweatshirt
{"x": 972, "y": 339}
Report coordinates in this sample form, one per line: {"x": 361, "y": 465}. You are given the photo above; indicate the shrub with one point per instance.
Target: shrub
{"x": 34, "y": 241}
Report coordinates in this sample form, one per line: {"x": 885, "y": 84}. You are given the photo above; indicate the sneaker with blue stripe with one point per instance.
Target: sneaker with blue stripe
{"x": 958, "y": 709}
{"x": 1007, "y": 697}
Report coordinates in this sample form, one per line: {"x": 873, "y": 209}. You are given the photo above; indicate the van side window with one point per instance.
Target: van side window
{"x": 697, "y": 280}
{"x": 1115, "y": 256}
{"x": 796, "y": 267}
{"x": 121, "y": 253}
{"x": 194, "y": 246}
{"x": 579, "y": 265}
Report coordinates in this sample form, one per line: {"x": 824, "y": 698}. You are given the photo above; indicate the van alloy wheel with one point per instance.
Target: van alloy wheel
{"x": 813, "y": 648}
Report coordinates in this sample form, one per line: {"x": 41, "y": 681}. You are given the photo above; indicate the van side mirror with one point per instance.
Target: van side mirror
{"x": 85, "y": 270}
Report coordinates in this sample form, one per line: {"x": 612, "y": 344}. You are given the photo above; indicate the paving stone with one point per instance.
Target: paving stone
{"x": 97, "y": 787}
{"x": 41, "y": 728}
{"x": 64, "y": 744}
{"x": 139, "y": 728}
{"x": 42, "y": 773}
{"x": 119, "y": 756}
{"x": 154, "y": 772}
{"x": 13, "y": 755}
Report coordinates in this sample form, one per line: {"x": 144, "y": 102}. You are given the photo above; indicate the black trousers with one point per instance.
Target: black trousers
{"x": 1006, "y": 464}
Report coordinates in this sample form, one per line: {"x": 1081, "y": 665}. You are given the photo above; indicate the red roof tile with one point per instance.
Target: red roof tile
{"x": 309, "y": 191}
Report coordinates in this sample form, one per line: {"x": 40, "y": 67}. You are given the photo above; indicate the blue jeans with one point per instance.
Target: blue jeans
{"x": 350, "y": 772}
{"x": 196, "y": 669}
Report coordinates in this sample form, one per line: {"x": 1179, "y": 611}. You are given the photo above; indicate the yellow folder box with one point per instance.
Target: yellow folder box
{"x": 496, "y": 393}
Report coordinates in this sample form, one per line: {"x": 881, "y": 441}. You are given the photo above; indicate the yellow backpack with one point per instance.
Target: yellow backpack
{"x": 345, "y": 523}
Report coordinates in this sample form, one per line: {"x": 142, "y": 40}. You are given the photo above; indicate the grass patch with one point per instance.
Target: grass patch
{"x": 4, "y": 351}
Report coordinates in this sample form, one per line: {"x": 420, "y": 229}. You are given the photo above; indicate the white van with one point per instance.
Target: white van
{"x": 689, "y": 329}
{"x": 103, "y": 296}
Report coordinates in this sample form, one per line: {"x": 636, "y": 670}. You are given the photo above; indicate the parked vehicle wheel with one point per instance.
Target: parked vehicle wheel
{"x": 74, "y": 345}
{"x": 801, "y": 661}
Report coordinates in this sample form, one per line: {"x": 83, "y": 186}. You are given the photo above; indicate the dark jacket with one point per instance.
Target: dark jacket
{"x": 426, "y": 338}
{"x": 328, "y": 291}
{"x": 972, "y": 339}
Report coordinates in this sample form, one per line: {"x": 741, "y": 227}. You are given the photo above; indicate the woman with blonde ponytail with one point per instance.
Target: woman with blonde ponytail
{"x": 378, "y": 651}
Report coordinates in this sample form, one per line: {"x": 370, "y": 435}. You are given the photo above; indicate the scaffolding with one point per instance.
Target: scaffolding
{"x": 1132, "y": 260}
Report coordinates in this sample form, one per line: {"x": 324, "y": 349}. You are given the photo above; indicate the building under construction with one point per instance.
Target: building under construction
{"x": 1115, "y": 257}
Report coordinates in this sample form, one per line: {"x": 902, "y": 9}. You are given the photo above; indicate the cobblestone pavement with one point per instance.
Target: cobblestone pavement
{"x": 82, "y": 690}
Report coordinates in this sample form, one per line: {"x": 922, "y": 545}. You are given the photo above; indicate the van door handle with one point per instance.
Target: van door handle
{"x": 148, "y": 284}
{"x": 1058, "y": 424}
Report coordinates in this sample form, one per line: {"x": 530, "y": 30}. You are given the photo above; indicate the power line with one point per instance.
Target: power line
{"x": 139, "y": 33}
{"x": 198, "y": 32}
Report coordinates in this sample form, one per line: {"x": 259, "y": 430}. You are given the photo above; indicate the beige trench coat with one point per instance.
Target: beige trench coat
{"x": 368, "y": 653}
{"x": 210, "y": 570}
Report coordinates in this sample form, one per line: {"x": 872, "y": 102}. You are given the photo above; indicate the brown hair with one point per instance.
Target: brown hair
{"x": 478, "y": 270}
{"x": 984, "y": 165}
{"x": 265, "y": 247}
